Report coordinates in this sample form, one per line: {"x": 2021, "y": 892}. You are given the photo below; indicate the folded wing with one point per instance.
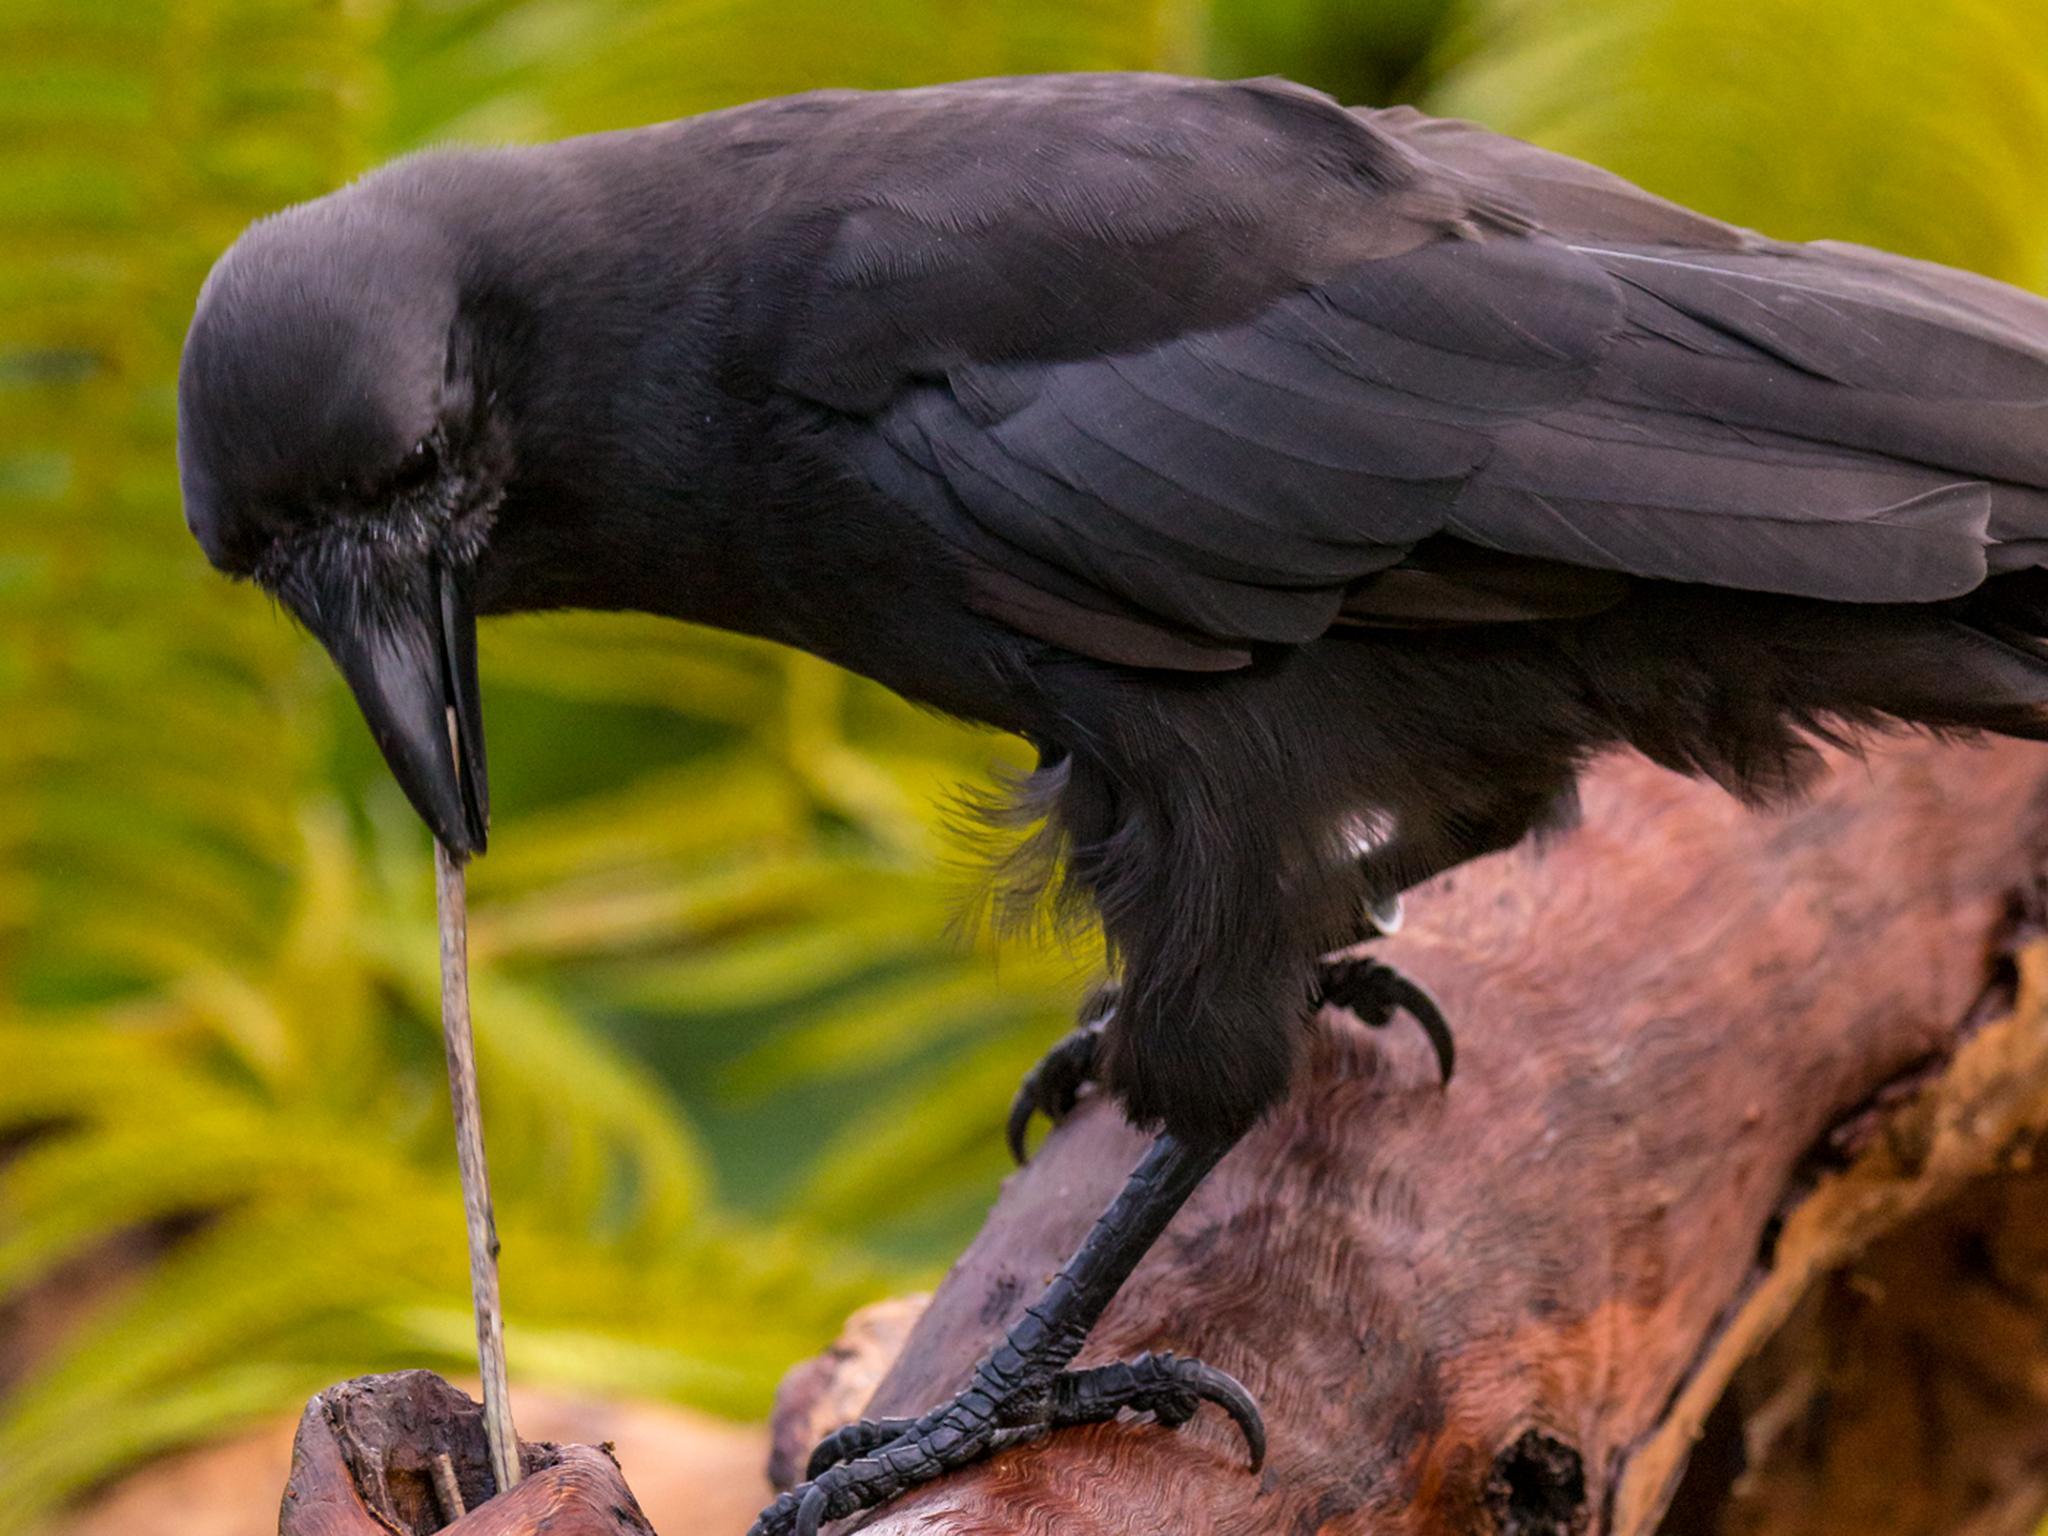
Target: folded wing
{"x": 1509, "y": 418}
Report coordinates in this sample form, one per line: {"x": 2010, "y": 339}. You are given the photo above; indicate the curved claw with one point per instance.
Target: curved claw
{"x": 1375, "y": 992}
{"x": 1229, "y": 1394}
{"x": 1022, "y": 1106}
{"x": 1414, "y": 1000}
{"x": 1054, "y": 1085}
{"x": 1167, "y": 1386}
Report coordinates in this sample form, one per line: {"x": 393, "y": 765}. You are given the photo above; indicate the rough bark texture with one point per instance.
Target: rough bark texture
{"x": 1737, "y": 1173}
{"x": 1730, "y": 1222}
{"x": 691, "y": 1472}
{"x": 364, "y": 1464}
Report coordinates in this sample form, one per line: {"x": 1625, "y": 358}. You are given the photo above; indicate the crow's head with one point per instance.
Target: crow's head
{"x": 337, "y": 444}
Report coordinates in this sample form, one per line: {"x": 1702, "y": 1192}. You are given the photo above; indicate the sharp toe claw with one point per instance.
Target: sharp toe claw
{"x": 1423, "y": 1009}
{"x": 1227, "y": 1393}
{"x": 1375, "y": 992}
{"x": 1053, "y": 1087}
{"x": 1020, "y": 1121}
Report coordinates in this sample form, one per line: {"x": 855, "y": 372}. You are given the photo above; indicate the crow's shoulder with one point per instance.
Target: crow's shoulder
{"x": 897, "y": 235}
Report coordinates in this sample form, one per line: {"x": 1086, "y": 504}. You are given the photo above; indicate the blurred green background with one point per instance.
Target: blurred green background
{"x": 741, "y": 1070}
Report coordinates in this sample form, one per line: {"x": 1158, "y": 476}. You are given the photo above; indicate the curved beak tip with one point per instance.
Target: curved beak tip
{"x": 415, "y": 680}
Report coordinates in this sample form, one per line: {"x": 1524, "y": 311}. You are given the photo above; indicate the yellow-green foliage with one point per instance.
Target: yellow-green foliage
{"x": 1916, "y": 125}
{"x": 216, "y": 936}
{"x": 217, "y": 1038}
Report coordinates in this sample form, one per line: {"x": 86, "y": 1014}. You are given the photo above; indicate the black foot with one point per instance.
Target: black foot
{"x": 1376, "y": 992}
{"x": 1054, "y": 1086}
{"x": 1169, "y": 1387}
{"x": 1023, "y": 1387}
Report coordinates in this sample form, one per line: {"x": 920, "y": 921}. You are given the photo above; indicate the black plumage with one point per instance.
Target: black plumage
{"x": 1318, "y": 489}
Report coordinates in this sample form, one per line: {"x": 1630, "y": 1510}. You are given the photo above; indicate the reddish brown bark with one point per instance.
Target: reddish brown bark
{"x": 1744, "y": 1117}
{"x": 1738, "y": 1175}
{"x": 364, "y": 1465}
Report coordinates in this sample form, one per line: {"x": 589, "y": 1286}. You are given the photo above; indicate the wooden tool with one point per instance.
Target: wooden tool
{"x": 452, "y": 899}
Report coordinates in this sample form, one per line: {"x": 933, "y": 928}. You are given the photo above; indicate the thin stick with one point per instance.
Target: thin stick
{"x": 447, "y": 1490}
{"x": 451, "y": 894}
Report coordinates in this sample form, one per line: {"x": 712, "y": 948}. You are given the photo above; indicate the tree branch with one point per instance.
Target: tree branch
{"x": 1739, "y": 1158}
{"x": 374, "y": 1457}
{"x": 1730, "y": 1222}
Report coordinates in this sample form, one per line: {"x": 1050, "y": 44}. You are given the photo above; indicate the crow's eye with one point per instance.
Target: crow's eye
{"x": 417, "y": 467}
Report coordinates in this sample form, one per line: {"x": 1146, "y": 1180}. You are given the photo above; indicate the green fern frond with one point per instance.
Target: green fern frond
{"x": 219, "y": 1063}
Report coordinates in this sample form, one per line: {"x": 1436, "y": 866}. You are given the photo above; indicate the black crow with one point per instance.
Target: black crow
{"x": 1316, "y": 489}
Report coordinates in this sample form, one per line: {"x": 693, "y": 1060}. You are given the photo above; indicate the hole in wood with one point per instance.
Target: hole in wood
{"x": 1537, "y": 1488}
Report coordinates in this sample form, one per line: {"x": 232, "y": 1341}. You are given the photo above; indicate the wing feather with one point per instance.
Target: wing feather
{"x": 1520, "y": 353}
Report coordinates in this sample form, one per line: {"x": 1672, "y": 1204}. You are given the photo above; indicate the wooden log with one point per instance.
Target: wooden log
{"x": 406, "y": 1454}
{"x": 1737, "y": 1175}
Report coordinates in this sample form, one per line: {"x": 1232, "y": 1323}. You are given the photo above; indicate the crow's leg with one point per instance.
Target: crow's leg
{"x": 1023, "y": 1384}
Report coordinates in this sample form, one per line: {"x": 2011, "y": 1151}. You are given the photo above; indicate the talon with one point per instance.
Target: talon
{"x": 1228, "y": 1393}
{"x": 1167, "y": 1386}
{"x": 1054, "y": 1085}
{"x": 1416, "y": 1002}
{"x": 1374, "y": 992}
{"x": 1022, "y": 1106}
{"x": 1202, "y": 1382}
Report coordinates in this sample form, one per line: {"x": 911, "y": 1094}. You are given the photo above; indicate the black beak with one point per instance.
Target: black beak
{"x": 414, "y": 678}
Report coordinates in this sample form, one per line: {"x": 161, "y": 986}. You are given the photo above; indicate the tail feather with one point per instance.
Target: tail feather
{"x": 1743, "y": 685}
{"x": 1950, "y": 674}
